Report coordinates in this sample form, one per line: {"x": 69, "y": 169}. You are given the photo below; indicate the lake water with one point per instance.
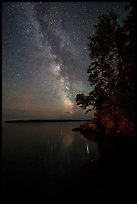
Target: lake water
{"x": 45, "y": 161}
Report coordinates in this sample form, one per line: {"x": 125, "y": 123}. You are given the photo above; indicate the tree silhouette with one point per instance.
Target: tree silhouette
{"x": 103, "y": 72}
{"x": 112, "y": 68}
{"x": 127, "y": 75}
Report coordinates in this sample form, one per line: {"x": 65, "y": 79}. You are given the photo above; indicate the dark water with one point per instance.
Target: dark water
{"x": 46, "y": 161}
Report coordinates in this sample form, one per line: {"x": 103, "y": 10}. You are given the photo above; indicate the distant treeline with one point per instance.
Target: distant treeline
{"x": 37, "y": 121}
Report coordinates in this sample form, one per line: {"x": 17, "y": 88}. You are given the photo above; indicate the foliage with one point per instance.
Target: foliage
{"x": 103, "y": 68}
{"x": 127, "y": 77}
{"x": 112, "y": 72}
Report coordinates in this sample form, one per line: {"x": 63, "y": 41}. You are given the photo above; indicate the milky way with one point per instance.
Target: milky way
{"x": 45, "y": 56}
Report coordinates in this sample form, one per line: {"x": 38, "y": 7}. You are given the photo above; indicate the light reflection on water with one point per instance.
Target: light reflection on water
{"x": 44, "y": 155}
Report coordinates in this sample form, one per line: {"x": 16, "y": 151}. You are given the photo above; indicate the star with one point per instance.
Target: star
{"x": 45, "y": 53}
{"x": 28, "y": 31}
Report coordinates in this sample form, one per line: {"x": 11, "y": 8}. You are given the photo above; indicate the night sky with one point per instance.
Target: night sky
{"x": 45, "y": 56}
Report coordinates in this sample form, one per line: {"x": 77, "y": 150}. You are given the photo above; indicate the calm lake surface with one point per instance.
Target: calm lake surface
{"x": 45, "y": 161}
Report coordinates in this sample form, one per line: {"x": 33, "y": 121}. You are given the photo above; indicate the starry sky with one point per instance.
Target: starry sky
{"x": 45, "y": 56}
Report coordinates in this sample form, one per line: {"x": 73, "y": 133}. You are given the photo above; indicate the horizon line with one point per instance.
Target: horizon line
{"x": 44, "y": 120}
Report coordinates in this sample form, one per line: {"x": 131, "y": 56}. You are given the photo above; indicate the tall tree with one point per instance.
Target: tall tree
{"x": 103, "y": 73}
{"x": 112, "y": 68}
{"x": 127, "y": 52}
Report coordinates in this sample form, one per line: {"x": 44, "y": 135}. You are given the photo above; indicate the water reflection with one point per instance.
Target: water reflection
{"x": 87, "y": 149}
{"x": 46, "y": 158}
{"x": 67, "y": 140}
